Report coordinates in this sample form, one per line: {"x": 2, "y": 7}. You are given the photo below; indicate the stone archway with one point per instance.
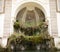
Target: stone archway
{"x": 30, "y": 13}
{"x": 28, "y": 4}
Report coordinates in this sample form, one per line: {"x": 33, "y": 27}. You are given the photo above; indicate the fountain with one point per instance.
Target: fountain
{"x": 30, "y": 32}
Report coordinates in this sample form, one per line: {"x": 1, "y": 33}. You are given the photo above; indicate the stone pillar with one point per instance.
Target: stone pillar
{"x": 7, "y": 21}
{"x": 54, "y": 29}
{"x": 53, "y": 18}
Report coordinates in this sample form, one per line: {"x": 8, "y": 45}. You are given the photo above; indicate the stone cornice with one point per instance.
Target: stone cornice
{"x": 3, "y": 7}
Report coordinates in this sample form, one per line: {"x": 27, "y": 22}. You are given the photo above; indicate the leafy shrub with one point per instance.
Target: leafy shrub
{"x": 2, "y": 49}
{"x": 16, "y": 25}
{"x": 25, "y": 40}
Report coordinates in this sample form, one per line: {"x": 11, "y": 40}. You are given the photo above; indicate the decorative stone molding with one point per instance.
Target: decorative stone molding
{"x": 58, "y": 5}
{"x": 2, "y": 6}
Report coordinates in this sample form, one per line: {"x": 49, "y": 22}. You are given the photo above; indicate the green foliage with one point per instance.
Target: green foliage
{"x": 29, "y": 35}
{"x": 16, "y": 25}
{"x": 32, "y": 30}
{"x": 28, "y": 41}
{"x": 17, "y": 39}
{"x": 34, "y": 39}
{"x": 2, "y": 49}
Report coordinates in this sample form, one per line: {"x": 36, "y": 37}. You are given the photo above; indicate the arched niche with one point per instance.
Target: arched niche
{"x": 29, "y": 14}
{"x": 30, "y": 9}
{"x": 29, "y": 4}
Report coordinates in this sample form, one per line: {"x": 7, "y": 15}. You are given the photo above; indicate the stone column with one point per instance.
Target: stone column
{"x": 53, "y": 17}
{"x": 7, "y": 21}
